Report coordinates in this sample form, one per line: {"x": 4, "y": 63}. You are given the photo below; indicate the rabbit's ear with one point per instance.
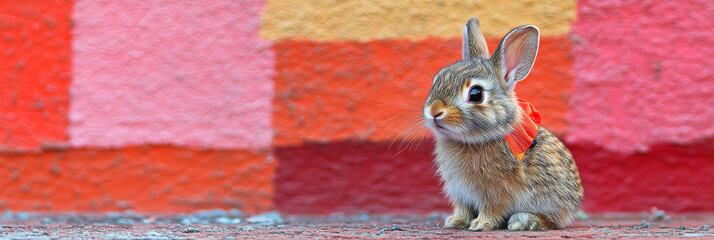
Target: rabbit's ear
{"x": 515, "y": 55}
{"x": 474, "y": 44}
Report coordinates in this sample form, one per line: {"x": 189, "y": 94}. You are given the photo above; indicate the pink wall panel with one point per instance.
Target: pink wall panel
{"x": 188, "y": 72}
{"x": 642, "y": 73}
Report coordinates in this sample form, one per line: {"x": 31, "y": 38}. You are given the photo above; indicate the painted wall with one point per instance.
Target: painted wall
{"x": 302, "y": 106}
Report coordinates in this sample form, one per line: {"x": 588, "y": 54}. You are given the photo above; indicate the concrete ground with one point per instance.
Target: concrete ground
{"x": 219, "y": 224}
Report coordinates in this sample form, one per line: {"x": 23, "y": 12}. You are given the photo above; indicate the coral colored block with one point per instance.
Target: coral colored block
{"x": 375, "y": 90}
{"x": 643, "y": 73}
{"x": 35, "y": 72}
{"x": 190, "y": 73}
{"x": 142, "y": 178}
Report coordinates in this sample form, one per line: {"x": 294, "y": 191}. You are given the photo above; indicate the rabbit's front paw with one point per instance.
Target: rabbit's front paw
{"x": 455, "y": 222}
{"x": 482, "y": 225}
{"x": 524, "y": 221}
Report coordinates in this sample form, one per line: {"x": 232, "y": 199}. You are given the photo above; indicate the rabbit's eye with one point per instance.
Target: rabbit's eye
{"x": 476, "y": 94}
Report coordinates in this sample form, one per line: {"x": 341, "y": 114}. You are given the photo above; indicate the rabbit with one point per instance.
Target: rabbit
{"x": 472, "y": 110}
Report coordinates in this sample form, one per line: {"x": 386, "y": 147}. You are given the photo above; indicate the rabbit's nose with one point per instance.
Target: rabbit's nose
{"x": 437, "y": 109}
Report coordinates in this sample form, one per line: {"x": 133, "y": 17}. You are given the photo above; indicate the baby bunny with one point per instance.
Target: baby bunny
{"x": 499, "y": 167}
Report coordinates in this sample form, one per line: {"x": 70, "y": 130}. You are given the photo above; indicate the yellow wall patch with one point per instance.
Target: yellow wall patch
{"x": 364, "y": 20}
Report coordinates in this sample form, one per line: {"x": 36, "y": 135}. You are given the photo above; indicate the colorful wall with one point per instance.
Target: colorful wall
{"x": 166, "y": 106}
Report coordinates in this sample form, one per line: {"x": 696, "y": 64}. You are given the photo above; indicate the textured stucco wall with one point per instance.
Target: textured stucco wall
{"x": 623, "y": 88}
{"x": 171, "y": 106}
{"x": 643, "y": 70}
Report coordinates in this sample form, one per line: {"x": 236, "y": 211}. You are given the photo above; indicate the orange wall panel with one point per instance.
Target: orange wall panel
{"x": 349, "y": 90}
{"x": 334, "y": 91}
{"x": 143, "y": 178}
{"x": 35, "y": 72}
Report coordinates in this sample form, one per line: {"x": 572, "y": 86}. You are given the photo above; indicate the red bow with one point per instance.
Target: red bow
{"x": 524, "y": 134}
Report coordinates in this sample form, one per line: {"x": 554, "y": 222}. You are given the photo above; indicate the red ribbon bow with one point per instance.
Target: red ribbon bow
{"x": 524, "y": 134}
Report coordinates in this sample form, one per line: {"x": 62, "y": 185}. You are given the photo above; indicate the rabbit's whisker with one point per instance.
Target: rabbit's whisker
{"x": 401, "y": 114}
{"x": 401, "y": 133}
{"x": 409, "y": 121}
{"x": 413, "y": 128}
{"x": 406, "y": 119}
